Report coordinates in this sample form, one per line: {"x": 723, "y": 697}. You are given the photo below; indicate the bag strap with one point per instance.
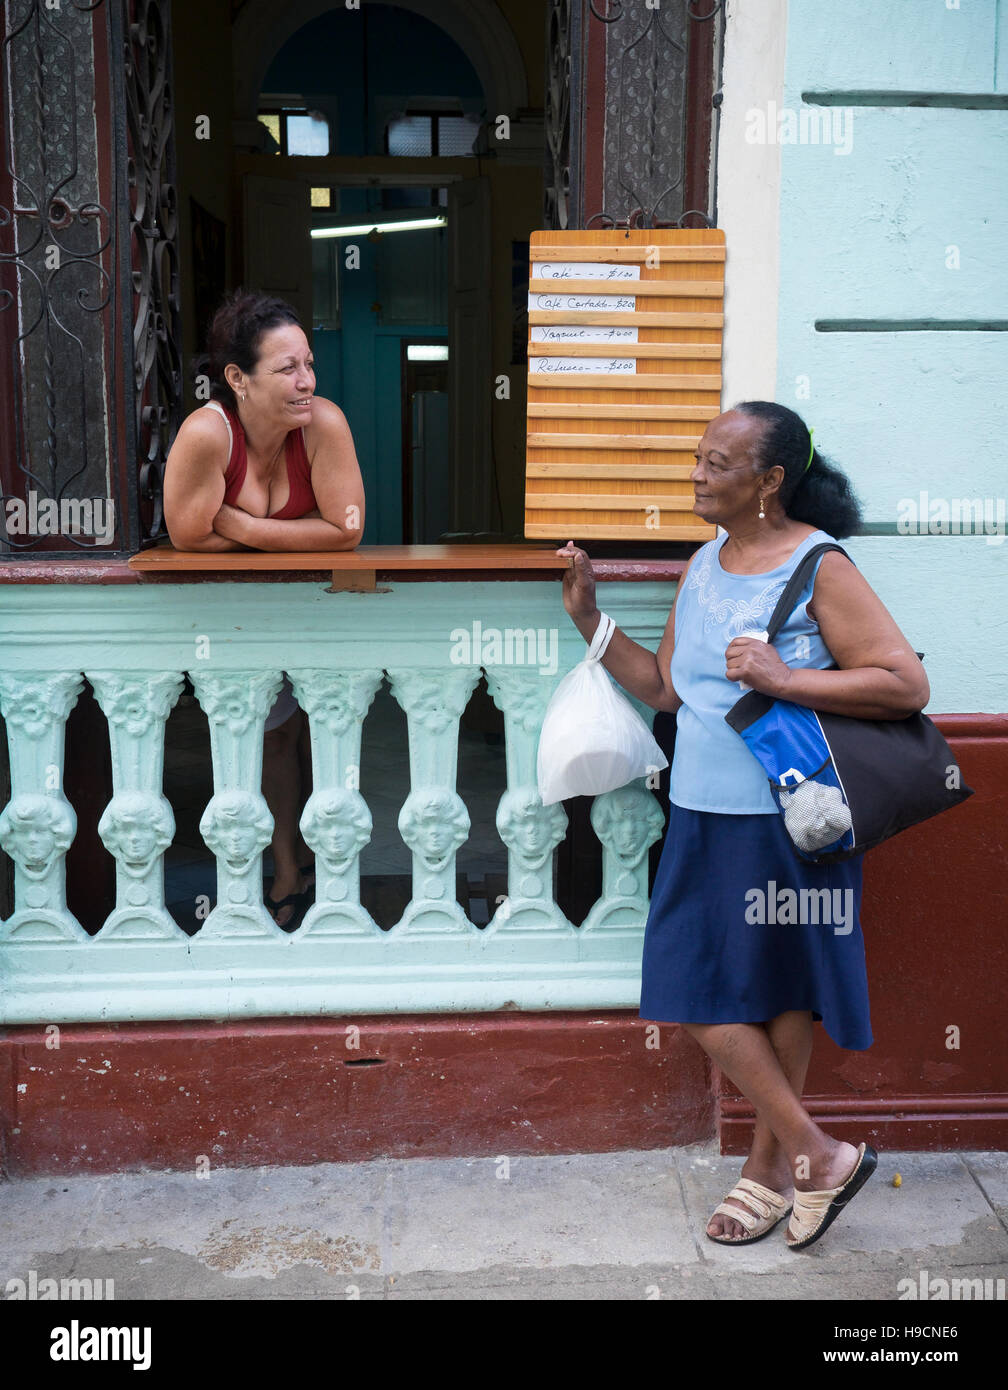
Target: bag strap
{"x": 603, "y": 636}
{"x": 789, "y": 598}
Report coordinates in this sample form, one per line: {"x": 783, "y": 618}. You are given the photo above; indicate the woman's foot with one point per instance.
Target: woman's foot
{"x": 773, "y": 1173}
{"x": 283, "y": 888}
{"x": 837, "y": 1180}
{"x": 827, "y": 1169}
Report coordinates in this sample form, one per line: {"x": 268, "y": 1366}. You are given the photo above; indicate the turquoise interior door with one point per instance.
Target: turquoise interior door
{"x": 390, "y": 288}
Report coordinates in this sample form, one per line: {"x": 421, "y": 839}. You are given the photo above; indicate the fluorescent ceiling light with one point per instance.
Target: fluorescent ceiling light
{"x": 416, "y": 224}
{"x": 427, "y": 352}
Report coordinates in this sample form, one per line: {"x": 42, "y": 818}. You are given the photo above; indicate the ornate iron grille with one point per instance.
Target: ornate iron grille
{"x": 558, "y": 113}
{"x": 642, "y": 55}
{"x": 157, "y": 363}
{"x": 645, "y": 132}
{"x": 89, "y": 323}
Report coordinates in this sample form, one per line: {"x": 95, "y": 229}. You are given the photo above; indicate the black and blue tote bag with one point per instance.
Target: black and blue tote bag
{"x": 843, "y": 785}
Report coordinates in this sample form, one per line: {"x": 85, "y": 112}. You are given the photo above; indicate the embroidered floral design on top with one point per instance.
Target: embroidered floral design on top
{"x": 740, "y": 615}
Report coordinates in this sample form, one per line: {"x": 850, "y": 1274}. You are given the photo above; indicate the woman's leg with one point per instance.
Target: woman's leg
{"x": 746, "y": 1055}
{"x": 790, "y": 1037}
{"x": 281, "y": 786}
{"x": 305, "y": 856}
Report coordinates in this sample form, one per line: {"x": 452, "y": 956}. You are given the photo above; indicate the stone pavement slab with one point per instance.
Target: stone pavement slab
{"x": 625, "y": 1226}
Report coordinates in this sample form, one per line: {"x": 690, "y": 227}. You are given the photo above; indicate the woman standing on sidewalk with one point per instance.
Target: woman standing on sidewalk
{"x": 749, "y": 991}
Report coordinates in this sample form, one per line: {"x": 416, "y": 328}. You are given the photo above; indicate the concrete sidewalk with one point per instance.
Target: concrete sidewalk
{"x": 580, "y": 1226}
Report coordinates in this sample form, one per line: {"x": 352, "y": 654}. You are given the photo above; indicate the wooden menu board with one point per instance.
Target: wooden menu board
{"x": 622, "y": 384}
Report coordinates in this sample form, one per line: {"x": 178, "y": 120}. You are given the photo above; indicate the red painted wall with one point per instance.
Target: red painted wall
{"x": 291, "y": 1091}
{"x": 935, "y": 921}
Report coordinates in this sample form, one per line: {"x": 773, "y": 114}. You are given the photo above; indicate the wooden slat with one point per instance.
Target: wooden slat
{"x": 667, "y": 443}
{"x": 541, "y": 530}
{"x": 633, "y": 255}
{"x": 636, "y": 381}
{"x": 618, "y": 410}
{"x": 700, "y": 351}
{"x": 550, "y": 501}
{"x": 680, "y": 472}
{"x": 667, "y": 289}
{"x": 164, "y": 558}
{"x": 625, "y": 318}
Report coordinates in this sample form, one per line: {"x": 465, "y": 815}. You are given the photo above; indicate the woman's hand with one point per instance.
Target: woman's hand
{"x": 637, "y": 669}
{"x": 578, "y": 584}
{"x": 758, "y": 665}
{"x": 230, "y": 522}
{"x": 877, "y": 674}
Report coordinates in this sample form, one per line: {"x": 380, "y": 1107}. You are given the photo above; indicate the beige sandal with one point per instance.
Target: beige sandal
{"x": 768, "y": 1208}
{"x": 815, "y": 1212}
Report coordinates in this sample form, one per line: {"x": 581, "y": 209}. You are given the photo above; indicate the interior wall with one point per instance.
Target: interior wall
{"x": 516, "y": 193}
{"x": 527, "y": 20}
{"x": 201, "y": 47}
{"x": 516, "y": 197}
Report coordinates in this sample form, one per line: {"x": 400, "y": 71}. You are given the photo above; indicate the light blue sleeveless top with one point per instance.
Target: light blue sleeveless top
{"x": 713, "y": 769}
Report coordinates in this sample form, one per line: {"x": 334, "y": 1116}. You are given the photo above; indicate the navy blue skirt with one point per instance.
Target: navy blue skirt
{"x": 741, "y": 929}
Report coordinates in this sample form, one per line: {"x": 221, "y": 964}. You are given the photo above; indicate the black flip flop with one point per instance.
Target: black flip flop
{"x": 866, "y": 1165}
{"x": 300, "y": 903}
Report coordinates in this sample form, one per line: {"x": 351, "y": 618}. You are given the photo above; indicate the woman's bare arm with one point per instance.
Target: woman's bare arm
{"x": 643, "y": 673}
{"x": 880, "y": 675}
{"x": 194, "y": 483}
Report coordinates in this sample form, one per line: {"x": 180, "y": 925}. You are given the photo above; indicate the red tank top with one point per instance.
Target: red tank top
{"x": 302, "y": 496}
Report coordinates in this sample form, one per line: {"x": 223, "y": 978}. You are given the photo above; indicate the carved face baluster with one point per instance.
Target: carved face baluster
{"x": 237, "y": 826}
{"x": 136, "y": 827}
{"x": 337, "y": 825}
{"x": 529, "y": 829}
{"x": 35, "y": 830}
{"x": 435, "y": 824}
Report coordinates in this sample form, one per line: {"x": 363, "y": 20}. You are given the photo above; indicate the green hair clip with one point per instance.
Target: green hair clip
{"x": 810, "y": 452}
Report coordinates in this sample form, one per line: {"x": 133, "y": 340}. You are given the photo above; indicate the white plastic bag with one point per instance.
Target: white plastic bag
{"x": 592, "y": 739}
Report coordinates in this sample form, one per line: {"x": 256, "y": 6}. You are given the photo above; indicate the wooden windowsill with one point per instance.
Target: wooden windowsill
{"x": 358, "y": 570}
{"x": 353, "y": 570}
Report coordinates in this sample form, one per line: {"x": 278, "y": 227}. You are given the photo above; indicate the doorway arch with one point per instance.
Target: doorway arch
{"x": 477, "y": 26}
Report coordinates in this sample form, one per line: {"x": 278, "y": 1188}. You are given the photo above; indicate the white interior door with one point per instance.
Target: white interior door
{"x": 469, "y": 329}
{"x": 278, "y": 249}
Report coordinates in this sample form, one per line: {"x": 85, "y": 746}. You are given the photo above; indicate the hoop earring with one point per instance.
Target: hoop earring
{"x": 762, "y": 513}
{"x": 243, "y": 397}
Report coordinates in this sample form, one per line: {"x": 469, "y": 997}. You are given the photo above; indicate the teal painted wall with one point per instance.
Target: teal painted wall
{"x": 897, "y": 223}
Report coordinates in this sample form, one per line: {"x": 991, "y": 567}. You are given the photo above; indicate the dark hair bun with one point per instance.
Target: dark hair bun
{"x": 818, "y": 494}
{"x": 235, "y": 332}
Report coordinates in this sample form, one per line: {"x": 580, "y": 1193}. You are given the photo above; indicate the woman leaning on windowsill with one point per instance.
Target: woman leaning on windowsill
{"x": 267, "y": 465}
